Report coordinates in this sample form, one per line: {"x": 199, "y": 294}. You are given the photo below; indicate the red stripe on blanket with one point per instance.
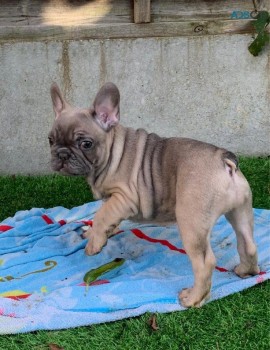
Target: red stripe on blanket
{"x": 47, "y": 219}
{"x": 138, "y": 233}
{"x": 88, "y": 222}
{"x": 4, "y": 228}
{"x": 164, "y": 242}
{"x": 221, "y": 269}
{"x": 262, "y": 273}
{"x": 18, "y": 297}
{"x": 62, "y": 222}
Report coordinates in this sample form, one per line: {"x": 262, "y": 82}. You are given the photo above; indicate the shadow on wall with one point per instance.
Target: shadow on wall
{"x": 74, "y": 13}
{"x": 65, "y": 13}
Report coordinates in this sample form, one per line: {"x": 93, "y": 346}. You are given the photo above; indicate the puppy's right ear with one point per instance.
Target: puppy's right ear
{"x": 58, "y": 101}
{"x": 106, "y": 106}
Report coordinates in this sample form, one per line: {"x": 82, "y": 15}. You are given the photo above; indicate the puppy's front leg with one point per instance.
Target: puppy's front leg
{"x": 107, "y": 218}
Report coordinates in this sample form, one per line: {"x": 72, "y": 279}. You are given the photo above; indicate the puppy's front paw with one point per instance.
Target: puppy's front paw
{"x": 95, "y": 243}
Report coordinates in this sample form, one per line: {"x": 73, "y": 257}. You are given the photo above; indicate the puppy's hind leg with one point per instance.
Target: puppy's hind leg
{"x": 241, "y": 219}
{"x": 196, "y": 239}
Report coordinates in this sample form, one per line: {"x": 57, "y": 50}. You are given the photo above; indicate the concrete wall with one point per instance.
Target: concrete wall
{"x": 209, "y": 87}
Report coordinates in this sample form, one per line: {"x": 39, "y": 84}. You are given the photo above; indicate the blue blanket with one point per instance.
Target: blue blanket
{"x": 42, "y": 269}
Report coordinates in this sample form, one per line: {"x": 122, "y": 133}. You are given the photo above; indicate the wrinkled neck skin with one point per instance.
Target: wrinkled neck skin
{"x": 100, "y": 168}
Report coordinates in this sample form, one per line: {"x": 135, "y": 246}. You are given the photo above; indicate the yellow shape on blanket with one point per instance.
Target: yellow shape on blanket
{"x": 13, "y": 293}
{"x": 44, "y": 289}
{"x": 2, "y": 262}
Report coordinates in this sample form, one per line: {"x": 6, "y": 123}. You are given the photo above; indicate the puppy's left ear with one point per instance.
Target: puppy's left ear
{"x": 58, "y": 101}
{"x": 107, "y": 106}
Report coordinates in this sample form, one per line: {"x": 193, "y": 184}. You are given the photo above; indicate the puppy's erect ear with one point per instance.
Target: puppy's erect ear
{"x": 106, "y": 106}
{"x": 59, "y": 103}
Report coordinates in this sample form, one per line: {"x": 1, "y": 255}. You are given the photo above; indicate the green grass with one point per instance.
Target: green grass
{"x": 239, "y": 321}
{"x": 257, "y": 172}
{"x": 26, "y": 192}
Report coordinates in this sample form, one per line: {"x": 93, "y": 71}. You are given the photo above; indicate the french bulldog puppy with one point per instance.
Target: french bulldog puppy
{"x": 147, "y": 178}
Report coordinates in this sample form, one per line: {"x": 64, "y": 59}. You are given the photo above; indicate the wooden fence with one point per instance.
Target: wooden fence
{"x": 40, "y": 20}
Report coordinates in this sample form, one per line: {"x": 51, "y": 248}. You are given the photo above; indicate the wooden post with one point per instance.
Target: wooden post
{"x": 142, "y": 12}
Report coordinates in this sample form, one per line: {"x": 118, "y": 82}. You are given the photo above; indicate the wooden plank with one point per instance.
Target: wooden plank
{"x": 262, "y": 5}
{"x": 183, "y": 10}
{"x": 142, "y": 11}
{"x": 64, "y": 12}
{"x": 85, "y": 12}
{"x": 102, "y": 19}
{"x": 117, "y": 31}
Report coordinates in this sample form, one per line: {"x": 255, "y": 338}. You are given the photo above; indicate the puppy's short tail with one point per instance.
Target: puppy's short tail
{"x": 230, "y": 162}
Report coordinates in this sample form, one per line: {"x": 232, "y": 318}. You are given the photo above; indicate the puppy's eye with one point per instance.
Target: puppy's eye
{"x": 50, "y": 141}
{"x": 86, "y": 144}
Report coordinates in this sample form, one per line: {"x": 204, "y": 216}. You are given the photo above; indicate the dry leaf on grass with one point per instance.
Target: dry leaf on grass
{"x": 55, "y": 347}
{"x": 153, "y": 322}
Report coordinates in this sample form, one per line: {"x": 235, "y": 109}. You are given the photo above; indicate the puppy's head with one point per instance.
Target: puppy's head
{"x": 80, "y": 137}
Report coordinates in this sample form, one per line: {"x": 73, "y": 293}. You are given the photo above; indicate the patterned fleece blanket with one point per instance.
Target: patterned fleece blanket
{"x": 47, "y": 282}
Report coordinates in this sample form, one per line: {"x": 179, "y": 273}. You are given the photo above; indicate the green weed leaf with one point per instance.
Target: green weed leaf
{"x": 262, "y": 20}
{"x": 93, "y": 274}
{"x": 263, "y": 37}
{"x": 258, "y": 44}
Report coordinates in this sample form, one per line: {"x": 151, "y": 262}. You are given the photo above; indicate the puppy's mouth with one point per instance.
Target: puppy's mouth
{"x": 71, "y": 167}
{"x": 66, "y": 170}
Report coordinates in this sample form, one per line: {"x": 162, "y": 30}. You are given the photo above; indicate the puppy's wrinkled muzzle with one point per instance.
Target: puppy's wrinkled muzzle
{"x": 63, "y": 153}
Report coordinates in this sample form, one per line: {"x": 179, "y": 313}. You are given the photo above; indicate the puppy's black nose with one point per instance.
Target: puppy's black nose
{"x": 63, "y": 153}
